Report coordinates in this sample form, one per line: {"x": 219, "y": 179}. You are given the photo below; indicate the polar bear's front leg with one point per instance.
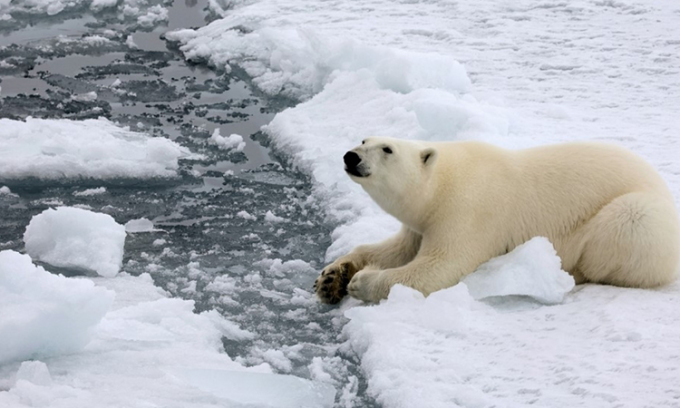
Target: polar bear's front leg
{"x": 426, "y": 274}
{"x": 331, "y": 285}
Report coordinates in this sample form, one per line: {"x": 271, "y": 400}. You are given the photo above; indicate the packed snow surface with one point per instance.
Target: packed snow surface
{"x": 516, "y": 75}
{"x": 603, "y": 347}
{"x": 52, "y": 149}
{"x": 71, "y": 237}
{"x": 533, "y": 269}
{"x": 45, "y": 315}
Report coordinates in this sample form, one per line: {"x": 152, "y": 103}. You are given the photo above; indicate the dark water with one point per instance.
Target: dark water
{"x": 257, "y": 273}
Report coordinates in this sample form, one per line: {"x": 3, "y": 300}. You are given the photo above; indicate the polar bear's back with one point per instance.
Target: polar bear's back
{"x": 602, "y": 168}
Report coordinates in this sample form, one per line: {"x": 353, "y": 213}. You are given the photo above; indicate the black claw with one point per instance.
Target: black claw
{"x": 333, "y": 272}
{"x": 328, "y": 280}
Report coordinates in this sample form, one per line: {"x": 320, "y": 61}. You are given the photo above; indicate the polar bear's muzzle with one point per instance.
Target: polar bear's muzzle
{"x": 354, "y": 165}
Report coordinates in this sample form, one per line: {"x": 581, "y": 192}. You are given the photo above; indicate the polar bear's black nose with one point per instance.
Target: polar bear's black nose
{"x": 351, "y": 160}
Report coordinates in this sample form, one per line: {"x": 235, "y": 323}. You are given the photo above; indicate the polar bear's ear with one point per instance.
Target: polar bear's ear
{"x": 428, "y": 156}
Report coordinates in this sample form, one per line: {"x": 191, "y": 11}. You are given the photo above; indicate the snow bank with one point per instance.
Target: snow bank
{"x": 71, "y": 237}
{"x": 299, "y": 63}
{"x": 43, "y": 314}
{"x": 533, "y": 269}
{"x": 96, "y": 148}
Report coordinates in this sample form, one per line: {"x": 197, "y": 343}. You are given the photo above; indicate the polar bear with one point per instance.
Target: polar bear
{"x": 608, "y": 213}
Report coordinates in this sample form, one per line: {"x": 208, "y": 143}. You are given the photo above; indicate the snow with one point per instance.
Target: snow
{"x": 139, "y": 225}
{"x": 148, "y": 350}
{"x": 232, "y": 141}
{"x": 45, "y": 315}
{"x": 51, "y": 149}
{"x": 516, "y": 75}
{"x": 604, "y": 347}
{"x": 533, "y": 269}
{"x": 71, "y": 237}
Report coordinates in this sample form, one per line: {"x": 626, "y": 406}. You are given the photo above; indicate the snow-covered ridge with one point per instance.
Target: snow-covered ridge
{"x": 52, "y": 149}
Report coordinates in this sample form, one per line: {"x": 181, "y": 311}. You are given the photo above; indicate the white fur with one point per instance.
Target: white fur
{"x": 608, "y": 213}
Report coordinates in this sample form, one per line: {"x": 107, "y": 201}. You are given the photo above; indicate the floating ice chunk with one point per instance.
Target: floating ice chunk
{"x": 35, "y": 372}
{"x": 154, "y": 14}
{"x": 75, "y": 238}
{"x": 246, "y": 215}
{"x": 86, "y": 97}
{"x": 278, "y": 360}
{"x": 140, "y": 225}
{"x": 228, "y": 328}
{"x": 233, "y": 141}
{"x": 51, "y": 149}
{"x": 5, "y": 190}
{"x": 532, "y": 269}
{"x": 261, "y": 389}
{"x": 130, "y": 42}
{"x": 270, "y": 217}
{"x": 98, "y": 5}
{"x": 222, "y": 284}
{"x": 90, "y": 192}
{"x": 44, "y": 314}
{"x": 55, "y": 7}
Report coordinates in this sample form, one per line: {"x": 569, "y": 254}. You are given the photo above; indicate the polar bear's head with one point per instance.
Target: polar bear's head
{"x": 393, "y": 172}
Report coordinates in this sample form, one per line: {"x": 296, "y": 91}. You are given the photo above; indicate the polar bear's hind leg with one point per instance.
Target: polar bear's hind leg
{"x": 633, "y": 241}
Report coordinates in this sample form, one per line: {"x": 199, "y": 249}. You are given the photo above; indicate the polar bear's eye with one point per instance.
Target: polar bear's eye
{"x": 363, "y": 142}
{"x": 387, "y": 150}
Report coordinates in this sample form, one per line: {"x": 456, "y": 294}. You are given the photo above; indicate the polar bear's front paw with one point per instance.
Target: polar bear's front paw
{"x": 369, "y": 285}
{"x": 331, "y": 285}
